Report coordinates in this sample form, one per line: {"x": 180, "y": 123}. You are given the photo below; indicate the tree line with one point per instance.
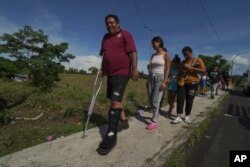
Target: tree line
{"x": 33, "y": 54}
{"x": 209, "y": 61}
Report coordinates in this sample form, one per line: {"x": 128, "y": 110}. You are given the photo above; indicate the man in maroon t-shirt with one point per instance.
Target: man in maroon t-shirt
{"x": 119, "y": 63}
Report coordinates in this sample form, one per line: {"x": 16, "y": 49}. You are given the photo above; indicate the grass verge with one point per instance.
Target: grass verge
{"x": 63, "y": 109}
{"x": 176, "y": 158}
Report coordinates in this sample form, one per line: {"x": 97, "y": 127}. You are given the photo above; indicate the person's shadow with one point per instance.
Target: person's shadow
{"x": 140, "y": 117}
{"x": 103, "y": 130}
{"x": 97, "y": 120}
{"x": 144, "y": 119}
{"x": 245, "y": 122}
{"x": 165, "y": 113}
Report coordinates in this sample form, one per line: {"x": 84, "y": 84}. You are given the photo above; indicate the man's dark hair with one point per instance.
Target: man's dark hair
{"x": 112, "y": 16}
{"x": 159, "y": 40}
{"x": 188, "y": 49}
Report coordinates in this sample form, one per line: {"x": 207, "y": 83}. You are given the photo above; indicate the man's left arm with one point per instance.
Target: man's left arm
{"x": 131, "y": 49}
{"x": 134, "y": 71}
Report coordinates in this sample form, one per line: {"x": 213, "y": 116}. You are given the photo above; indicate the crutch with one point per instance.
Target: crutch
{"x": 97, "y": 87}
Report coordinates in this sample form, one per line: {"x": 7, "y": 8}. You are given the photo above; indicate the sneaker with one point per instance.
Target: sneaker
{"x": 123, "y": 125}
{"x": 212, "y": 97}
{"x": 187, "y": 120}
{"x": 152, "y": 126}
{"x": 177, "y": 120}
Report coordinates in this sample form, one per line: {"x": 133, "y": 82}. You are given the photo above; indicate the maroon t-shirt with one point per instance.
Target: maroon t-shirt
{"x": 115, "y": 50}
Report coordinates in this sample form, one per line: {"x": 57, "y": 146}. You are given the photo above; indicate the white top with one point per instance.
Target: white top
{"x": 158, "y": 64}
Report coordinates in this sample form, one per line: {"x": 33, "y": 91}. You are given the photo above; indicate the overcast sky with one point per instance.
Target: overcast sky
{"x": 209, "y": 26}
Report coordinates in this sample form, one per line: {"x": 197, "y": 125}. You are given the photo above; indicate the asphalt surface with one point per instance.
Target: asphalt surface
{"x": 229, "y": 131}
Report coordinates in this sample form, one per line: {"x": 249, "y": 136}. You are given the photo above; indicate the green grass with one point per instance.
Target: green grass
{"x": 63, "y": 109}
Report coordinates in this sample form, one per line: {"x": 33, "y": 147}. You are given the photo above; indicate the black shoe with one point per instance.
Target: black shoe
{"x": 107, "y": 144}
{"x": 123, "y": 125}
{"x": 216, "y": 94}
{"x": 109, "y": 141}
{"x": 212, "y": 97}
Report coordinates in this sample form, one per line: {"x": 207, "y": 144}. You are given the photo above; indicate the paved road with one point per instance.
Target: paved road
{"x": 230, "y": 131}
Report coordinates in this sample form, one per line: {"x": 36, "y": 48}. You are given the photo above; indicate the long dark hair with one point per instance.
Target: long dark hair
{"x": 159, "y": 40}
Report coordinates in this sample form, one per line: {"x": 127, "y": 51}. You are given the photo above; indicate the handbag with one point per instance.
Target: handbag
{"x": 181, "y": 81}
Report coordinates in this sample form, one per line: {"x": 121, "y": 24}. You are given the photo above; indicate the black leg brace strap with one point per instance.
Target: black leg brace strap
{"x": 113, "y": 119}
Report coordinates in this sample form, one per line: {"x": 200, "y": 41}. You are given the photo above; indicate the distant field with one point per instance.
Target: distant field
{"x": 63, "y": 109}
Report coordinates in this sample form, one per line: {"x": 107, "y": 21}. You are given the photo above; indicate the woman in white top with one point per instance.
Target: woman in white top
{"x": 158, "y": 79}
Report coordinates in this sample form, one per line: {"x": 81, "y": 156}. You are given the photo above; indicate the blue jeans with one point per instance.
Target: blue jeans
{"x": 214, "y": 88}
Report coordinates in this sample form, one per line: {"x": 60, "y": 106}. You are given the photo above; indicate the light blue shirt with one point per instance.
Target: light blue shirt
{"x": 174, "y": 74}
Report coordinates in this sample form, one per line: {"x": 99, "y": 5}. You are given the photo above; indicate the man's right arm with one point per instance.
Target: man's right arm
{"x": 101, "y": 53}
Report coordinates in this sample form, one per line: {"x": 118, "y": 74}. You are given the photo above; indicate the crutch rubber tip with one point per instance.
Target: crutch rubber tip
{"x": 84, "y": 135}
